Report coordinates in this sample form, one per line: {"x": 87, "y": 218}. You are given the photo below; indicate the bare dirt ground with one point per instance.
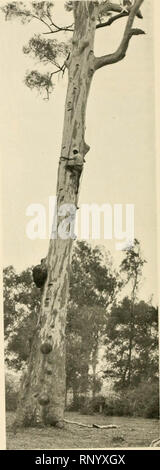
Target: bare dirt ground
{"x": 132, "y": 432}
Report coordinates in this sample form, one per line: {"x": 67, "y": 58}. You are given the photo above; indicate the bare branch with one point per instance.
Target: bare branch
{"x": 42, "y": 21}
{"x": 98, "y": 426}
{"x": 45, "y": 18}
{"x": 111, "y": 20}
{"x": 120, "y": 53}
{"x": 59, "y": 30}
{"x": 63, "y": 28}
{"x": 106, "y": 7}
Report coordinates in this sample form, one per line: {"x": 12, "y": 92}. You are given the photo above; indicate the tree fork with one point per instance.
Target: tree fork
{"x": 42, "y": 394}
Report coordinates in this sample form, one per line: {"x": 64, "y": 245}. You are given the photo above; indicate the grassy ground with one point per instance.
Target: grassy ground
{"x": 132, "y": 432}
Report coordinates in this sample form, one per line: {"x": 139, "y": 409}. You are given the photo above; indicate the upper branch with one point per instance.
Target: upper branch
{"x": 43, "y": 21}
{"x": 106, "y": 7}
{"x": 58, "y": 29}
{"x": 38, "y": 11}
{"x": 120, "y": 53}
{"x": 111, "y": 20}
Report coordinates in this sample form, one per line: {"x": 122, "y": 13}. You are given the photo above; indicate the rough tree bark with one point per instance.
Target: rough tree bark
{"x": 42, "y": 394}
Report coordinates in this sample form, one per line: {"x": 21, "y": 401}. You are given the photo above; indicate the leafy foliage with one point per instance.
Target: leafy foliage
{"x": 68, "y": 5}
{"x": 19, "y": 10}
{"x": 46, "y": 50}
{"x": 93, "y": 279}
{"x": 43, "y": 8}
{"x": 84, "y": 335}
{"x": 93, "y": 315}
{"x": 21, "y": 304}
{"x": 39, "y": 81}
{"x": 124, "y": 336}
{"x": 133, "y": 262}
{"x": 89, "y": 297}
{"x": 142, "y": 400}
{"x": 12, "y": 383}
{"x": 92, "y": 287}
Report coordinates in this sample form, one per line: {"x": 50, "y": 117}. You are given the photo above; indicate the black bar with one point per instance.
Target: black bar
{"x": 69, "y": 459}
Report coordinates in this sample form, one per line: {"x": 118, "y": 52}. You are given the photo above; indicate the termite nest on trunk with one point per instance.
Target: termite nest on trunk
{"x": 40, "y": 274}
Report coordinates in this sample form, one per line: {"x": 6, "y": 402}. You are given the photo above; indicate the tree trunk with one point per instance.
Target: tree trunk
{"x": 85, "y": 380}
{"x": 131, "y": 331}
{"x": 75, "y": 395}
{"x": 94, "y": 381}
{"x": 131, "y": 337}
{"x": 126, "y": 380}
{"x": 94, "y": 365}
{"x": 42, "y": 394}
{"x": 66, "y": 398}
{"x": 130, "y": 356}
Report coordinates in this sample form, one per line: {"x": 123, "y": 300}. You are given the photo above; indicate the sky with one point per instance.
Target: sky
{"x": 120, "y": 129}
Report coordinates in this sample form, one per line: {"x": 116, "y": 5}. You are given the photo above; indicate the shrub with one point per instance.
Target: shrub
{"x": 77, "y": 404}
{"x": 88, "y": 405}
{"x": 141, "y": 401}
{"x": 12, "y": 381}
{"x": 93, "y": 405}
{"x": 145, "y": 400}
{"x": 116, "y": 406}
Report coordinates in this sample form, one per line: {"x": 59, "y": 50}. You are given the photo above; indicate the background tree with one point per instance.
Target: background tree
{"x": 131, "y": 267}
{"x": 21, "y": 306}
{"x": 144, "y": 358}
{"x": 93, "y": 285}
{"x": 85, "y": 331}
{"x": 42, "y": 393}
{"x": 93, "y": 281}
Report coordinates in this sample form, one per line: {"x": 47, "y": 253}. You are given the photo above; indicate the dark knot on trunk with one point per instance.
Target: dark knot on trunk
{"x": 48, "y": 370}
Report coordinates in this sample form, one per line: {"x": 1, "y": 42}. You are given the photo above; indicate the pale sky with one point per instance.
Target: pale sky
{"x": 120, "y": 166}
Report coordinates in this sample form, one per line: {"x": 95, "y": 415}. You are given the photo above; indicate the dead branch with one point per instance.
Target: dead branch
{"x": 98, "y": 426}
{"x": 155, "y": 443}
{"x": 120, "y": 53}
{"x": 106, "y": 7}
{"x": 111, "y": 20}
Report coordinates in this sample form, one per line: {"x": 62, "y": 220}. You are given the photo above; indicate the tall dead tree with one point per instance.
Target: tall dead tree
{"x": 42, "y": 394}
